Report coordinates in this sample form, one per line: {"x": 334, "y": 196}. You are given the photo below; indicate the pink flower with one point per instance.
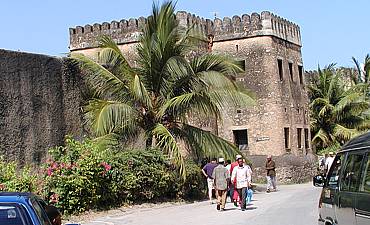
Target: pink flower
{"x": 50, "y": 171}
{"x": 54, "y": 165}
{"x": 106, "y": 166}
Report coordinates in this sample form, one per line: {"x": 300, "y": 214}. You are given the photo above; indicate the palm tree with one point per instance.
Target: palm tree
{"x": 157, "y": 96}
{"x": 337, "y": 111}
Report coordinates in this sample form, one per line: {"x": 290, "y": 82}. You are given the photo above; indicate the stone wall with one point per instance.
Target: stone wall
{"x": 290, "y": 168}
{"x": 39, "y": 104}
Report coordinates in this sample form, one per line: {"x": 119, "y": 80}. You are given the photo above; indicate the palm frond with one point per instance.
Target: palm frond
{"x": 202, "y": 143}
{"x": 101, "y": 79}
{"x": 167, "y": 142}
{"x": 107, "y": 117}
{"x": 201, "y": 103}
{"x": 219, "y": 63}
{"x": 344, "y": 133}
{"x": 140, "y": 93}
{"x": 321, "y": 136}
{"x": 111, "y": 55}
{"x": 357, "y": 79}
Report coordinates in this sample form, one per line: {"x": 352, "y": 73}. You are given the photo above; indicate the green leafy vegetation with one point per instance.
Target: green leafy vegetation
{"x": 80, "y": 176}
{"x": 13, "y": 179}
{"x": 338, "y": 107}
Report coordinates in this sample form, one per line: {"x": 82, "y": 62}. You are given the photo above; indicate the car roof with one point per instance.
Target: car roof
{"x": 15, "y": 196}
{"x": 357, "y": 143}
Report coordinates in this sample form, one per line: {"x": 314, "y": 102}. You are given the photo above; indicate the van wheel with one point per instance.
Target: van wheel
{"x": 328, "y": 223}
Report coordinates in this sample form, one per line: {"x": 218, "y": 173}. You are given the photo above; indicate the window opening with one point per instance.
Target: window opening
{"x": 280, "y": 67}
{"x": 286, "y": 137}
{"x": 306, "y": 140}
{"x": 300, "y": 71}
{"x": 291, "y": 71}
{"x": 241, "y": 138}
{"x": 299, "y": 137}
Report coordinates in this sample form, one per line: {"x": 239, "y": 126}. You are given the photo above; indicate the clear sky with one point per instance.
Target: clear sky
{"x": 332, "y": 30}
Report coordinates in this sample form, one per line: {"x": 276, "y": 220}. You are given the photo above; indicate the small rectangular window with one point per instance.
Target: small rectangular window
{"x": 306, "y": 140}
{"x": 280, "y": 67}
{"x": 286, "y": 137}
{"x": 241, "y": 64}
{"x": 300, "y": 71}
{"x": 241, "y": 138}
{"x": 299, "y": 137}
{"x": 291, "y": 71}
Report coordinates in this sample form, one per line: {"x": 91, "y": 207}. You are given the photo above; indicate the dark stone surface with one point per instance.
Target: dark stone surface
{"x": 39, "y": 104}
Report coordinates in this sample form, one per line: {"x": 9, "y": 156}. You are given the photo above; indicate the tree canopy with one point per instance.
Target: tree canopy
{"x": 337, "y": 109}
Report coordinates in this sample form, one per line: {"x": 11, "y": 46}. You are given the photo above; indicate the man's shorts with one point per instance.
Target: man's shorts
{"x": 210, "y": 183}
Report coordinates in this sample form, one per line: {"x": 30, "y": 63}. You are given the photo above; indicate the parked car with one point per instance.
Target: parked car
{"x": 22, "y": 209}
{"x": 345, "y": 197}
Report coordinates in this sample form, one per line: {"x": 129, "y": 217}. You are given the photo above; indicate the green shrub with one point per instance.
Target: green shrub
{"x": 195, "y": 185}
{"x": 14, "y": 179}
{"x": 85, "y": 177}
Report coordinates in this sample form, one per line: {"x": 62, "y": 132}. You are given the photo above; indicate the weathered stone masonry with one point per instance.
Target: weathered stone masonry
{"x": 39, "y": 104}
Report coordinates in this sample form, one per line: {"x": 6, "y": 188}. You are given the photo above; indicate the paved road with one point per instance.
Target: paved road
{"x": 291, "y": 205}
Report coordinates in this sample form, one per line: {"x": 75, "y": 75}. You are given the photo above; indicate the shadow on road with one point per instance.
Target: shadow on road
{"x": 230, "y": 209}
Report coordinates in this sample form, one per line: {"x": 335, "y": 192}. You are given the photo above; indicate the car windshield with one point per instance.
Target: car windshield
{"x": 11, "y": 214}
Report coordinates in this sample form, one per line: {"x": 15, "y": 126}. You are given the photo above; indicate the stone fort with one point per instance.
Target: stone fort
{"x": 270, "y": 49}
{"x": 41, "y": 96}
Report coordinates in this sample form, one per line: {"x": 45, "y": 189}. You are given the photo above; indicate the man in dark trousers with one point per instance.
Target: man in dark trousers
{"x": 221, "y": 178}
{"x": 233, "y": 193}
{"x": 271, "y": 174}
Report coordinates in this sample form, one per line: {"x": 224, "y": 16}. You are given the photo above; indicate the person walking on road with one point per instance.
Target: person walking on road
{"x": 249, "y": 193}
{"x": 328, "y": 162}
{"x": 228, "y": 167}
{"x": 234, "y": 194}
{"x": 207, "y": 172}
{"x": 241, "y": 174}
{"x": 271, "y": 174}
{"x": 221, "y": 178}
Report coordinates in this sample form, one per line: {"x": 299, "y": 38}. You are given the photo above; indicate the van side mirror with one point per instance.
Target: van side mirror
{"x": 318, "y": 181}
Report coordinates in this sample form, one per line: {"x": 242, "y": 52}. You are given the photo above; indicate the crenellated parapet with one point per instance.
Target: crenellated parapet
{"x": 128, "y": 31}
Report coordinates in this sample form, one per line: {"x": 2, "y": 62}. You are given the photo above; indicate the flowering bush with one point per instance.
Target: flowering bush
{"x": 75, "y": 174}
{"x": 80, "y": 176}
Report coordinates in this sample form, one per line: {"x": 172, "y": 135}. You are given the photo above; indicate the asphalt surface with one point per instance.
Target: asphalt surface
{"x": 290, "y": 205}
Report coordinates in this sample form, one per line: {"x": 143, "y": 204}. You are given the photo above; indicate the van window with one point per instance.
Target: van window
{"x": 352, "y": 173}
{"x": 333, "y": 175}
{"x": 40, "y": 212}
{"x": 365, "y": 184}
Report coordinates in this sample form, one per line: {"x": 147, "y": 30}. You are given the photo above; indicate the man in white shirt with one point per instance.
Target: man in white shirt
{"x": 329, "y": 161}
{"x": 242, "y": 175}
